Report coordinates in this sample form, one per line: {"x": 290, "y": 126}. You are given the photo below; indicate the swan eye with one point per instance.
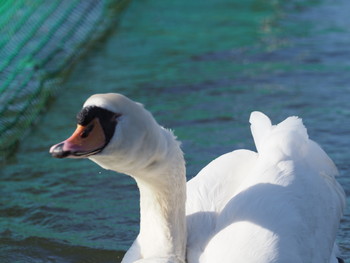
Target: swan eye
{"x": 87, "y": 131}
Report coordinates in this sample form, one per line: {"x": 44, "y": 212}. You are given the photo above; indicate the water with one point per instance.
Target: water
{"x": 200, "y": 67}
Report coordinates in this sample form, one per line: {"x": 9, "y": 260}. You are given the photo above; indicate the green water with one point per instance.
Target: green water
{"x": 200, "y": 67}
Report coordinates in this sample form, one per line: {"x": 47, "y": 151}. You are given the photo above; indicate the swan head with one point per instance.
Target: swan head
{"x": 116, "y": 133}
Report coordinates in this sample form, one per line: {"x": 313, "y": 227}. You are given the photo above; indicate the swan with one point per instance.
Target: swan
{"x": 279, "y": 204}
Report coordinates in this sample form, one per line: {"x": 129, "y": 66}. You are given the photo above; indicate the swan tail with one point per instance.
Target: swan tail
{"x": 289, "y": 137}
{"x": 260, "y": 127}
{"x": 289, "y": 140}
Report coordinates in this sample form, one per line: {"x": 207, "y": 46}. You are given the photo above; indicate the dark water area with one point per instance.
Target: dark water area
{"x": 200, "y": 67}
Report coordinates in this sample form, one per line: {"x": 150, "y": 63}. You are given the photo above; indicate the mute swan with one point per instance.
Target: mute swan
{"x": 281, "y": 204}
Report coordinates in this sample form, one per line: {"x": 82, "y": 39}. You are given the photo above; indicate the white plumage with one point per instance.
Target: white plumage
{"x": 280, "y": 204}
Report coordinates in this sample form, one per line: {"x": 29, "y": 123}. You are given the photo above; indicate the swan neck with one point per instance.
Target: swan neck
{"x": 162, "y": 210}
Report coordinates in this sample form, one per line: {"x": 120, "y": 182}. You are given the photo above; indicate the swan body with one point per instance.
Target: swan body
{"x": 280, "y": 204}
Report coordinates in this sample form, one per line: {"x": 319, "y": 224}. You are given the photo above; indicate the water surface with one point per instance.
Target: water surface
{"x": 200, "y": 68}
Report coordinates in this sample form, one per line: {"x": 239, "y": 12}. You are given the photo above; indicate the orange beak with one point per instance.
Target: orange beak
{"x": 85, "y": 141}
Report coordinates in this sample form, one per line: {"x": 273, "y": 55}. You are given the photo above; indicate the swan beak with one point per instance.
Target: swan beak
{"x": 85, "y": 141}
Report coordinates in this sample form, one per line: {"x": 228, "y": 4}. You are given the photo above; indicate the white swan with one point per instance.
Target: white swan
{"x": 281, "y": 204}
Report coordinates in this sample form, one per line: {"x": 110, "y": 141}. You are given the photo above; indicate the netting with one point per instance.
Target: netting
{"x": 39, "y": 41}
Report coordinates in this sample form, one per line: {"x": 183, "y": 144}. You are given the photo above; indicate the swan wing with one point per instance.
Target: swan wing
{"x": 285, "y": 205}
{"x": 209, "y": 192}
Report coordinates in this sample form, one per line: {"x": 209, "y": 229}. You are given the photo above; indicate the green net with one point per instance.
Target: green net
{"x": 39, "y": 41}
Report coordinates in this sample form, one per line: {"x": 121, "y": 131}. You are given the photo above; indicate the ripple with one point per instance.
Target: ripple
{"x": 36, "y": 250}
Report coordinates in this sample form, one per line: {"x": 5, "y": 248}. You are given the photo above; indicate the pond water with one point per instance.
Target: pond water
{"x": 200, "y": 67}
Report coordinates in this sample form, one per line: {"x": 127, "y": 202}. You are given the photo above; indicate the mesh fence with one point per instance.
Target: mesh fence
{"x": 39, "y": 41}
